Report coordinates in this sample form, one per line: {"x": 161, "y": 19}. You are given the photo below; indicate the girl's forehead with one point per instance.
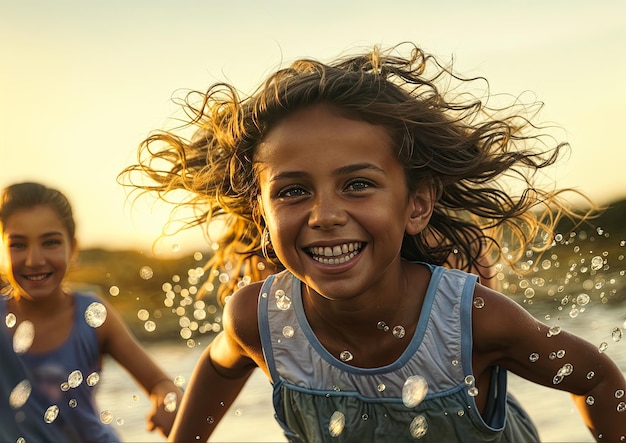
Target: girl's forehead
{"x": 317, "y": 127}
{"x": 37, "y": 217}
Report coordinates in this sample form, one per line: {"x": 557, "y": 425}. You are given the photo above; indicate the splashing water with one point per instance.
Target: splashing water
{"x": 418, "y": 427}
{"x": 20, "y": 394}
{"x": 75, "y": 379}
{"x": 51, "y": 414}
{"x": 336, "y": 423}
{"x": 95, "y": 314}
{"x": 170, "y": 401}
{"x": 23, "y": 337}
{"x": 414, "y": 391}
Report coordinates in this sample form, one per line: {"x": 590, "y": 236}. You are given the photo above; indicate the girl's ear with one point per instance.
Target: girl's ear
{"x": 422, "y": 202}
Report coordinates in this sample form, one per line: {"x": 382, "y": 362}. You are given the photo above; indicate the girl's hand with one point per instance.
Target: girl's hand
{"x": 165, "y": 397}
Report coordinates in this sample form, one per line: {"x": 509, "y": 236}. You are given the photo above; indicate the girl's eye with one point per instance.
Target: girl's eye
{"x": 291, "y": 192}
{"x": 358, "y": 185}
{"x": 16, "y": 245}
{"x": 51, "y": 243}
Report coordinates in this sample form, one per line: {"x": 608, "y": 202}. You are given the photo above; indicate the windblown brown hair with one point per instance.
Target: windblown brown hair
{"x": 481, "y": 159}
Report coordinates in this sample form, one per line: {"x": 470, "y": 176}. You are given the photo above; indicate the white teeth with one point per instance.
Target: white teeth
{"x": 337, "y": 254}
{"x": 36, "y": 277}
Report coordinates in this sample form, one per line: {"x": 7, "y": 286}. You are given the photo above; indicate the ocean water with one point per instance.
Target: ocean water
{"x": 250, "y": 419}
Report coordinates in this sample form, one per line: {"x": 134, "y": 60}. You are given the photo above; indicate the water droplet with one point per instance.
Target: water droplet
{"x": 73, "y": 403}
{"x": 346, "y": 356}
{"x": 398, "y": 331}
{"x": 418, "y": 427}
{"x": 619, "y": 393}
{"x": 364, "y": 417}
{"x": 23, "y": 337}
{"x": 106, "y": 417}
{"x": 557, "y": 379}
{"x": 590, "y": 375}
{"x": 143, "y": 314}
{"x": 560, "y": 353}
{"x": 533, "y": 357}
{"x": 469, "y": 380}
{"x": 552, "y": 355}
{"x": 288, "y": 331}
{"x": 381, "y": 387}
{"x": 146, "y": 272}
{"x": 617, "y": 334}
{"x": 381, "y": 325}
{"x": 75, "y": 379}
{"x": 95, "y": 314}
{"x": 10, "y": 320}
{"x": 554, "y": 330}
{"x": 597, "y": 262}
{"x": 336, "y": 423}
{"x": 414, "y": 390}
{"x": 210, "y": 419}
{"x": 20, "y": 394}
{"x": 603, "y": 347}
{"x": 238, "y": 412}
{"x": 455, "y": 362}
{"x": 93, "y": 379}
{"x": 119, "y": 421}
{"x": 114, "y": 291}
{"x": 150, "y": 326}
{"x": 473, "y": 391}
{"x": 479, "y": 302}
{"x": 621, "y": 407}
{"x": 51, "y": 414}
{"x": 590, "y": 400}
{"x": 582, "y": 299}
{"x": 460, "y": 413}
{"x": 179, "y": 381}
{"x": 169, "y": 401}
{"x": 283, "y": 301}
{"x": 565, "y": 370}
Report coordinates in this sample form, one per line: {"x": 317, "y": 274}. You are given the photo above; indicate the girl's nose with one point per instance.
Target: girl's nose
{"x": 327, "y": 212}
{"x": 35, "y": 256}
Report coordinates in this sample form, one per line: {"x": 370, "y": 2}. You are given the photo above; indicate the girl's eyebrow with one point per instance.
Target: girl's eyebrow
{"x": 348, "y": 169}
{"x": 44, "y": 235}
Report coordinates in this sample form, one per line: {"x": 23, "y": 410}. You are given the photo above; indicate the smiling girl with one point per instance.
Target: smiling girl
{"x": 366, "y": 181}
{"x": 52, "y": 340}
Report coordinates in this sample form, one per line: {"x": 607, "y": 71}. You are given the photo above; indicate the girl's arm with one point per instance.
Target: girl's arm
{"x": 118, "y": 341}
{"x": 505, "y": 334}
{"x": 222, "y": 370}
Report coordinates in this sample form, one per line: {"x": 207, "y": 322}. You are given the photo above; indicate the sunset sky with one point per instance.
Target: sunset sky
{"x": 83, "y": 82}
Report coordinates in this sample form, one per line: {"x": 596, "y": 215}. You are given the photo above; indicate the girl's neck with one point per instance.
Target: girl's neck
{"x": 42, "y": 306}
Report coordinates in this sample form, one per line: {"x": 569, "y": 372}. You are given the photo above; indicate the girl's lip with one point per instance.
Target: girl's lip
{"x": 37, "y": 277}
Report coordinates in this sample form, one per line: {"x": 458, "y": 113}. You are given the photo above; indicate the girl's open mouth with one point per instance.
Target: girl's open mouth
{"x": 334, "y": 255}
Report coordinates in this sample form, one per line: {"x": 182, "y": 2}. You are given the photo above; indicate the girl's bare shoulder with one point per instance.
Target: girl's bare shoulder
{"x": 240, "y": 319}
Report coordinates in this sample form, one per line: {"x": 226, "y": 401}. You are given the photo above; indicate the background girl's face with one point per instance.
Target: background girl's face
{"x": 335, "y": 200}
{"x": 38, "y": 250}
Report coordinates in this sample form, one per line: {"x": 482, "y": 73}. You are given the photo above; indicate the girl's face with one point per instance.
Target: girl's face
{"x": 335, "y": 201}
{"x": 38, "y": 251}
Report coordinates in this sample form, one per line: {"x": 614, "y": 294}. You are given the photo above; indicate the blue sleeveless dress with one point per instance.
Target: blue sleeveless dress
{"x": 63, "y": 382}
{"x": 319, "y": 398}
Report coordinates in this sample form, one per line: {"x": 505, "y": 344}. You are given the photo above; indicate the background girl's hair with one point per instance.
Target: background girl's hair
{"x": 28, "y": 195}
{"x": 482, "y": 160}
